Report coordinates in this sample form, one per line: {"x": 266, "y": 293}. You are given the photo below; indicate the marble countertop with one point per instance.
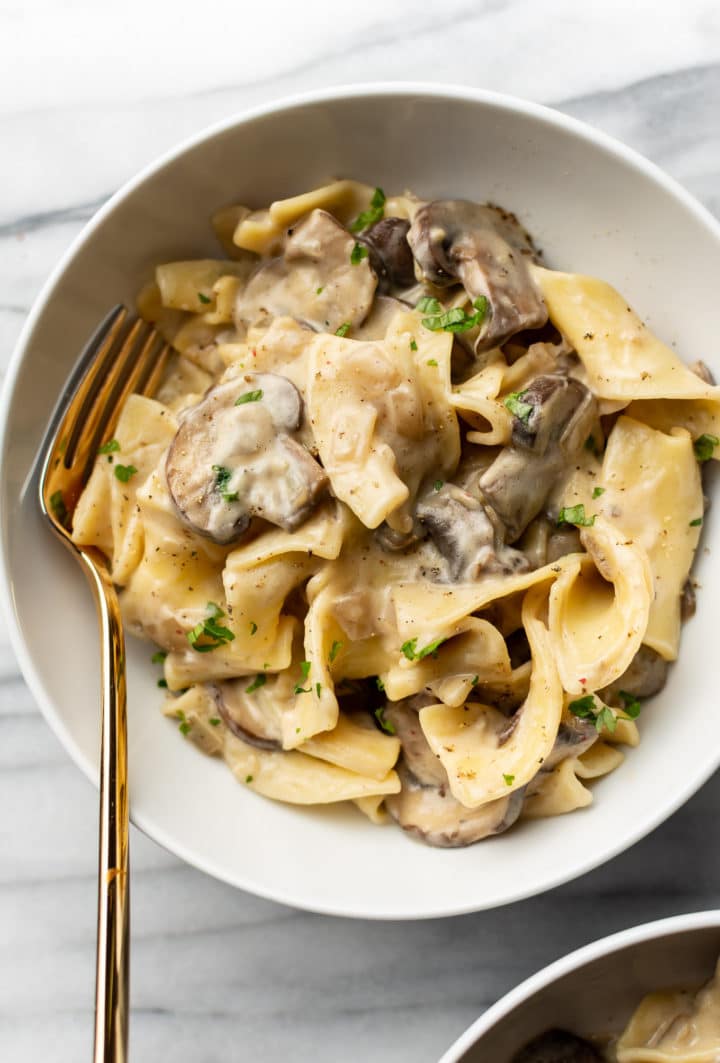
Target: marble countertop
{"x": 91, "y": 92}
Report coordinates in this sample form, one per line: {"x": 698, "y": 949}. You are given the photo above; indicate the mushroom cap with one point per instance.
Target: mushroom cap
{"x": 255, "y": 718}
{"x": 558, "y": 1046}
{"x": 233, "y": 458}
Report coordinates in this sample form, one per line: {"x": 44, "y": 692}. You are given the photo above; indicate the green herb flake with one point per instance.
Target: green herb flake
{"x": 158, "y": 657}
{"x": 343, "y": 330}
{"x": 373, "y": 214}
{"x": 162, "y": 683}
{"x": 475, "y": 680}
{"x": 437, "y": 486}
{"x": 214, "y": 634}
{"x": 358, "y": 253}
{"x": 456, "y": 319}
{"x": 124, "y": 472}
{"x": 204, "y": 299}
{"x": 385, "y": 725}
{"x": 249, "y": 396}
{"x": 704, "y": 446}
{"x": 408, "y": 649}
{"x": 334, "y": 650}
{"x": 305, "y": 669}
{"x": 431, "y": 648}
{"x": 214, "y": 721}
{"x": 509, "y": 779}
{"x": 185, "y": 727}
{"x": 432, "y": 362}
{"x": 630, "y": 705}
{"x": 585, "y": 709}
{"x": 318, "y": 689}
{"x": 320, "y": 290}
{"x": 110, "y": 447}
{"x": 696, "y": 523}
{"x": 379, "y": 683}
{"x": 597, "y": 491}
{"x": 248, "y": 779}
{"x": 57, "y": 505}
{"x": 514, "y": 403}
{"x": 259, "y": 681}
{"x": 300, "y": 689}
{"x": 253, "y": 627}
{"x": 428, "y": 305}
{"x": 413, "y": 345}
{"x": 575, "y": 515}
{"x": 223, "y": 476}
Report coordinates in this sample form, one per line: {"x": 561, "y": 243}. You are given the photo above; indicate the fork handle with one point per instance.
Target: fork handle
{"x": 113, "y": 932}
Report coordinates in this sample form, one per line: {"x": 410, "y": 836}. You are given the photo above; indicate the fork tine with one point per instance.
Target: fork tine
{"x": 134, "y": 365}
{"x": 149, "y": 385}
{"x": 97, "y": 362}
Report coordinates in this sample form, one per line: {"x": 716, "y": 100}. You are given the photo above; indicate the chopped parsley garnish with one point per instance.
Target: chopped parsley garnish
{"x": 585, "y": 709}
{"x": 213, "y": 634}
{"x": 597, "y": 491}
{"x": 358, "y": 253}
{"x": 203, "y": 298}
{"x": 631, "y": 705}
{"x": 214, "y": 721}
{"x": 432, "y": 362}
{"x": 300, "y": 689}
{"x": 457, "y": 319}
{"x": 575, "y": 515}
{"x": 438, "y": 484}
{"x": 374, "y": 213}
{"x": 320, "y": 290}
{"x": 57, "y": 505}
{"x": 222, "y": 479}
{"x": 514, "y": 403}
{"x": 253, "y": 627}
{"x": 259, "y": 681}
{"x": 509, "y": 779}
{"x": 110, "y": 447}
{"x": 410, "y": 650}
{"x": 475, "y": 680}
{"x": 428, "y": 305}
{"x": 248, "y": 778}
{"x": 379, "y": 683}
{"x": 696, "y": 523}
{"x": 158, "y": 657}
{"x": 124, "y": 472}
{"x": 249, "y": 396}
{"x": 334, "y": 650}
{"x": 305, "y": 669}
{"x": 385, "y": 725}
{"x": 343, "y": 329}
{"x": 185, "y": 727}
{"x": 305, "y": 672}
{"x": 413, "y": 345}
{"x": 162, "y": 683}
{"x": 318, "y": 689}
{"x": 704, "y": 446}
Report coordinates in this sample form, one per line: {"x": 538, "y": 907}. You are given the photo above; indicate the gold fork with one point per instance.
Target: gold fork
{"x": 121, "y": 357}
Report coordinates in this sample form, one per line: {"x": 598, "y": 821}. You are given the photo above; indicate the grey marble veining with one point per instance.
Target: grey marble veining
{"x": 90, "y": 94}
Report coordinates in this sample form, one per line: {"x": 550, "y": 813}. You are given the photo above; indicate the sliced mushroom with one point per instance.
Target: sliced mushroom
{"x": 558, "y": 1046}
{"x": 521, "y": 477}
{"x": 390, "y": 254}
{"x": 464, "y": 534}
{"x": 433, "y": 815}
{"x": 254, "y": 717}
{"x": 425, "y": 807}
{"x": 316, "y": 281}
{"x": 574, "y": 738}
{"x": 233, "y": 458}
{"x": 646, "y": 676}
{"x": 487, "y": 251}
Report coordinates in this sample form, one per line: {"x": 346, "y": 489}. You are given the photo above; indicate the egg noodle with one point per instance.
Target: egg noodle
{"x": 411, "y": 518}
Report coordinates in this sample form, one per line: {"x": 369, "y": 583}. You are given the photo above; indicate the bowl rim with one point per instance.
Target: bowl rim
{"x": 573, "y": 961}
{"x": 402, "y": 89}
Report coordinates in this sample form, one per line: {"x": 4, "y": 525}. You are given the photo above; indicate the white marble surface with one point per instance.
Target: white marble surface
{"x": 90, "y": 92}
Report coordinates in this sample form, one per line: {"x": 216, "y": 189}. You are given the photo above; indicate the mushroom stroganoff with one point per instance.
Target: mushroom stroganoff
{"x": 670, "y": 1026}
{"x": 411, "y": 518}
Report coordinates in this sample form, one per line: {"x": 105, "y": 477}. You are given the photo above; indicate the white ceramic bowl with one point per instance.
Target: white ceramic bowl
{"x": 594, "y": 206}
{"x": 595, "y": 989}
